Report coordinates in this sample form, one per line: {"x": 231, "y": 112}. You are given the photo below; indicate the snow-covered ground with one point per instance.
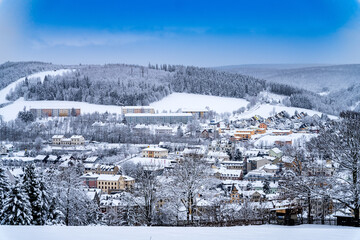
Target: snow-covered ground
{"x": 176, "y": 101}
{"x": 265, "y": 232}
{"x": 265, "y": 110}
{"x": 41, "y": 75}
{"x": 11, "y": 111}
{"x": 271, "y": 96}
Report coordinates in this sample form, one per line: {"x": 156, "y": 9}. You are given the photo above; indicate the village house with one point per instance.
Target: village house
{"x": 56, "y": 139}
{"x": 112, "y": 183}
{"x": 108, "y": 183}
{"x": 220, "y": 156}
{"x": 283, "y": 142}
{"x": 101, "y": 169}
{"x": 233, "y": 164}
{"x": 163, "y": 130}
{"x": 222, "y": 145}
{"x": 228, "y": 174}
{"x": 244, "y": 134}
{"x": 73, "y": 140}
{"x": 263, "y": 125}
{"x": 257, "y": 162}
{"x": 275, "y": 152}
{"x": 282, "y": 132}
{"x": 77, "y": 140}
{"x": 154, "y": 152}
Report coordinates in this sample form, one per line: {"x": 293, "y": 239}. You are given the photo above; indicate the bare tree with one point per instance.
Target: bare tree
{"x": 191, "y": 180}
{"x": 340, "y": 141}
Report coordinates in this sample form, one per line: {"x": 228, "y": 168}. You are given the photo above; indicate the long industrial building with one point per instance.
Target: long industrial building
{"x": 137, "y": 109}
{"x": 146, "y": 118}
{"x": 55, "y": 112}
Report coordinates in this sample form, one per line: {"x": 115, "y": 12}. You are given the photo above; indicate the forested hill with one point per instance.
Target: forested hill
{"x": 317, "y": 78}
{"x": 11, "y": 71}
{"x": 120, "y": 84}
{"x": 111, "y": 84}
{"x": 211, "y": 82}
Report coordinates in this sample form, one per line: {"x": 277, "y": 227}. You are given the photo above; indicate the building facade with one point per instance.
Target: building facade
{"x": 55, "y": 112}
{"x": 154, "y": 152}
{"x": 161, "y": 118}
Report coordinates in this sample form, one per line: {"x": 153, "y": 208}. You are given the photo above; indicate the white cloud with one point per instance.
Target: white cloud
{"x": 79, "y": 39}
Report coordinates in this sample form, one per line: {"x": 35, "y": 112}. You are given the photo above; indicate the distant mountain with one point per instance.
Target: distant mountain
{"x": 316, "y": 78}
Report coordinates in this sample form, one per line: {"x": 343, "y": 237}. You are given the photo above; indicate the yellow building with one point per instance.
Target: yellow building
{"x": 137, "y": 109}
{"x": 110, "y": 183}
{"x": 244, "y": 134}
{"x": 56, "y": 139}
{"x": 155, "y": 152}
{"x": 196, "y": 112}
{"x": 77, "y": 140}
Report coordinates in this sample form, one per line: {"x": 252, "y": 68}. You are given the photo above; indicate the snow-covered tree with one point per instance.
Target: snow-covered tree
{"x": 191, "y": 179}
{"x": 4, "y": 185}
{"x": 340, "y": 142}
{"x": 31, "y": 187}
{"x": 16, "y": 209}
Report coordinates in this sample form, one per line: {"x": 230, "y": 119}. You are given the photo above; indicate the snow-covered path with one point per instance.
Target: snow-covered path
{"x": 41, "y": 75}
{"x": 265, "y": 232}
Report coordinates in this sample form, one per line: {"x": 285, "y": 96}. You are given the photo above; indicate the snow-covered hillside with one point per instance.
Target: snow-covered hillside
{"x": 41, "y": 75}
{"x": 264, "y": 232}
{"x": 177, "y": 101}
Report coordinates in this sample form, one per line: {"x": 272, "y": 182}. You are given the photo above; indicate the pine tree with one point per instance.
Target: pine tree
{"x": 44, "y": 200}
{"x": 17, "y": 209}
{"x": 54, "y": 216}
{"x": 4, "y": 185}
{"x": 266, "y": 187}
{"x": 32, "y": 190}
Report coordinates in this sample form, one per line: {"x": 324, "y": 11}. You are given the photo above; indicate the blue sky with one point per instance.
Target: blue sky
{"x": 202, "y": 33}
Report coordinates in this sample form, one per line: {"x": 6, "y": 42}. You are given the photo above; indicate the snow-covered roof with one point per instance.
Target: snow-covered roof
{"x": 229, "y": 172}
{"x": 217, "y": 154}
{"x": 108, "y": 177}
{"x": 163, "y": 128}
{"x": 158, "y": 115}
{"x": 57, "y": 136}
{"x": 91, "y": 159}
{"x": 156, "y": 149}
{"x": 153, "y": 163}
{"x": 276, "y": 150}
{"x": 76, "y": 137}
{"x": 137, "y": 107}
{"x": 40, "y": 157}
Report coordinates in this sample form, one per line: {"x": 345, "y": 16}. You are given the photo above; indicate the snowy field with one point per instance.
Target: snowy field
{"x": 265, "y": 232}
{"x": 41, "y": 75}
{"x": 176, "y": 101}
{"x": 264, "y": 110}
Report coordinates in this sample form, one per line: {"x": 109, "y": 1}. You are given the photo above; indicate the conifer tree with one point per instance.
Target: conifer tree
{"x": 4, "y": 185}
{"x": 31, "y": 186}
{"x": 17, "y": 209}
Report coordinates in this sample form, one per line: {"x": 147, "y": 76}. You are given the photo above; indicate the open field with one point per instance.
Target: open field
{"x": 264, "y": 232}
